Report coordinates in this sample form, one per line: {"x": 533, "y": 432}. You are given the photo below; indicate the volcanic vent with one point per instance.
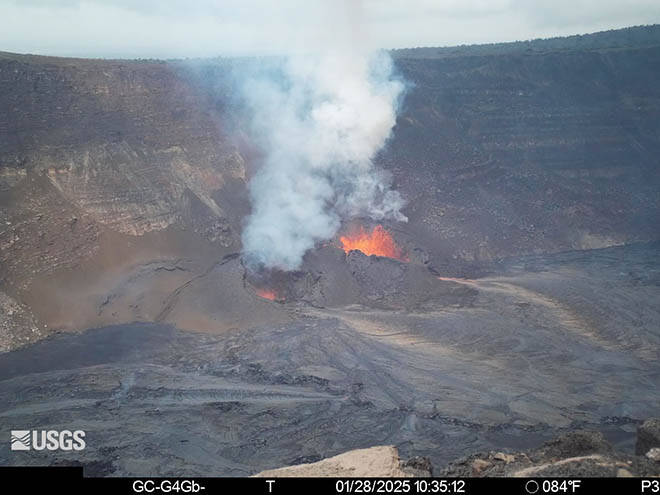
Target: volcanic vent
{"x": 269, "y": 294}
{"x": 378, "y": 242}
{"x": 364, "y": 266}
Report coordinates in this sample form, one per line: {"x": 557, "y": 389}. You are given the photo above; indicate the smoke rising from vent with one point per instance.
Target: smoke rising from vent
{"x": 320, "y": 120}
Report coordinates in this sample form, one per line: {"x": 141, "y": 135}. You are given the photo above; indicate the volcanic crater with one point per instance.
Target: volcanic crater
{"x": 520, "y": 300}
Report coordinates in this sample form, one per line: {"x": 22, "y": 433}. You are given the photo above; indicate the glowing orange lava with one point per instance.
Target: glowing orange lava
{"x": 379, "y": 242}
{"x": 267, "y": 294}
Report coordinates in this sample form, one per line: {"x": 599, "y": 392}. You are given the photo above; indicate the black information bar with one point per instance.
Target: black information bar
{"x": 70, "y": 480}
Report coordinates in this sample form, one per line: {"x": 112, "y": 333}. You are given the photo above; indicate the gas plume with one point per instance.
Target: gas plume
{"x": 319, "y": 120}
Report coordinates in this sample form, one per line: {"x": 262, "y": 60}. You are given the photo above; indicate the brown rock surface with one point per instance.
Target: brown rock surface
{"x": 580, "y": 454}
{"x": 382, "y": 461}
{"x": 648, "y": 436}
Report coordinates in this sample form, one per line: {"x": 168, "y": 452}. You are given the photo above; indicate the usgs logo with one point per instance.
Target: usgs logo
{"x": 47, "y": 440}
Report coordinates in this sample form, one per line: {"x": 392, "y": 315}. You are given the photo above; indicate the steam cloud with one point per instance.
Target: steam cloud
{"x": 320, "y": 120}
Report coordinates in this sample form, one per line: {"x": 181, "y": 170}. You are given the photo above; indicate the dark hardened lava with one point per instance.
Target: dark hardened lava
{"x": 546, "y": 345}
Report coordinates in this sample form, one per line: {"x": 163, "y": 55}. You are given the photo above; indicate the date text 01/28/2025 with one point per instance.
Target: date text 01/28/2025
{"x": 400, "y": 486}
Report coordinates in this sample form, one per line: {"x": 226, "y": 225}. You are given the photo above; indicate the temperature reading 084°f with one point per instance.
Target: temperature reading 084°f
{"x": 560, "y": 486}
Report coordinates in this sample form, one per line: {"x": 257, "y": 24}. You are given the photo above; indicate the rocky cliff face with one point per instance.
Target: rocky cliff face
{"x": 579, "y": 453}
{"x": 529, "y": 152}
{"x": 107, "y": 167}
{"x": 382, "y": 461}
{"x": 90, "y": 146}
{"x": 94, "y": 157}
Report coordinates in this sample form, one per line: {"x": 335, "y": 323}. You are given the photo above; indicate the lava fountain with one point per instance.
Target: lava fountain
{"x": 378, "y": 242}
{"x": 267, "y": 294}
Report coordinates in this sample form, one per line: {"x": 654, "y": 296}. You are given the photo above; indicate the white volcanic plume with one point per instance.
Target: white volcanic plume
{"x": 320, "y": 120}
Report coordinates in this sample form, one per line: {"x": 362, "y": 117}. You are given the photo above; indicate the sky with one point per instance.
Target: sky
{"x": 203, "y": 28}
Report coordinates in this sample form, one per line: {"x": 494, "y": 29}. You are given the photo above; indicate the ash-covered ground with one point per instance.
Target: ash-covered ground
{"x": 364, "y": 351}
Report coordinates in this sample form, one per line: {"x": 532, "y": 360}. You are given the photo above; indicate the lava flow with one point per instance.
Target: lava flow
{"x": 378, "y": 242}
